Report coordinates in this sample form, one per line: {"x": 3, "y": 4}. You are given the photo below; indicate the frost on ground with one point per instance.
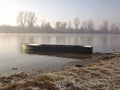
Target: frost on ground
{"x": 102, "y": 74}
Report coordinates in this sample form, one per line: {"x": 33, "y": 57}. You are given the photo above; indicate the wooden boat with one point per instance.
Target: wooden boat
{"x": 57, "y": 48}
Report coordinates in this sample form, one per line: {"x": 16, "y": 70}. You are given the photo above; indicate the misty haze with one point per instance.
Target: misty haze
{"x": 59, "y": 45}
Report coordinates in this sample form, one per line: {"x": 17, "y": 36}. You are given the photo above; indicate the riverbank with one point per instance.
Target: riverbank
{"x": 101, "y": 72}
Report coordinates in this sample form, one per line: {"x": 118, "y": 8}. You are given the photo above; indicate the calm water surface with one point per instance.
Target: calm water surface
{"x": 11, "y": 55}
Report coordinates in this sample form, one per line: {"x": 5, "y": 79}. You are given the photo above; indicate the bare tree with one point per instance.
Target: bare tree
{"x": 84, "y": 25}
{"x": 22, "y": 18}
{"x": 31, "y": 19}
{"x": 58, "y": 25}
{"x": 90, "y": 25}
{"x": 104, "y": 27}
{"x": 87, "y": 25}
{"x": 76, "y": 22}
{"x": 63, "y": 25}
{"x": 48, "y": 26}
{"x": 26, "y": 18}
{"x": 114, "y": 28}
{"x": 69, "y": 25}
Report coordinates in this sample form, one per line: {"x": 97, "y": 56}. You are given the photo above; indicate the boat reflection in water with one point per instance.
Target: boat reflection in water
{"x": 68, "y": 51}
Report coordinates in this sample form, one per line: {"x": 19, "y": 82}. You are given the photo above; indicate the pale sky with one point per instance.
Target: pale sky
{"x": 62, "y": 10}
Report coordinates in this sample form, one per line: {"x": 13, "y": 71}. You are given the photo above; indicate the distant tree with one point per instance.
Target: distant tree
{"x": 48, "y": 26}
{"x": 114, "y": 28}
{"x": 25, "y": 18}
{"x": 22, "y": 18}
{"x": 104, "y": 27}
{"x": 76, "y": 22}
{"x": 90, "y": 25}
{"x": 31, "y": 19}
{"x": 87, "y": 26}
{"x": 69, "y": 25}
{"x": 84, "y": 25}
{"x": 63, "y": 25}
{"x": 58, "y": 25}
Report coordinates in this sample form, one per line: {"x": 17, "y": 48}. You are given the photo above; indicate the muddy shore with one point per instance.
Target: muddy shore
{"x": 101, "y": 72}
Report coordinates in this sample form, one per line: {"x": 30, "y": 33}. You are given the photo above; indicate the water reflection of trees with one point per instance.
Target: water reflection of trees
{"x": 114, "y": 42}
{"x": 99, "y": 42}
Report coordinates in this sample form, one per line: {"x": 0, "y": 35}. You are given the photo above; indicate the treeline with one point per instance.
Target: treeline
{"x": 26, "y": 23}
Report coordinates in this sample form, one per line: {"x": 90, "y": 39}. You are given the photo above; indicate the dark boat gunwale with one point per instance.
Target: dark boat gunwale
{"x": 59, "y": 48}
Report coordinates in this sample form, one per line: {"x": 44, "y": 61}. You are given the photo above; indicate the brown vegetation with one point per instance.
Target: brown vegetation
{"x": 102, "y": 73}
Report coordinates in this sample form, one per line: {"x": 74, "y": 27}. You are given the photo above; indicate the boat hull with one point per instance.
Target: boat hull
{"x": 58, "y": 48}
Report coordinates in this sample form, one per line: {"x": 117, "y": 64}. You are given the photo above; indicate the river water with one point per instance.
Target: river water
{"x": 12, "y": 57}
